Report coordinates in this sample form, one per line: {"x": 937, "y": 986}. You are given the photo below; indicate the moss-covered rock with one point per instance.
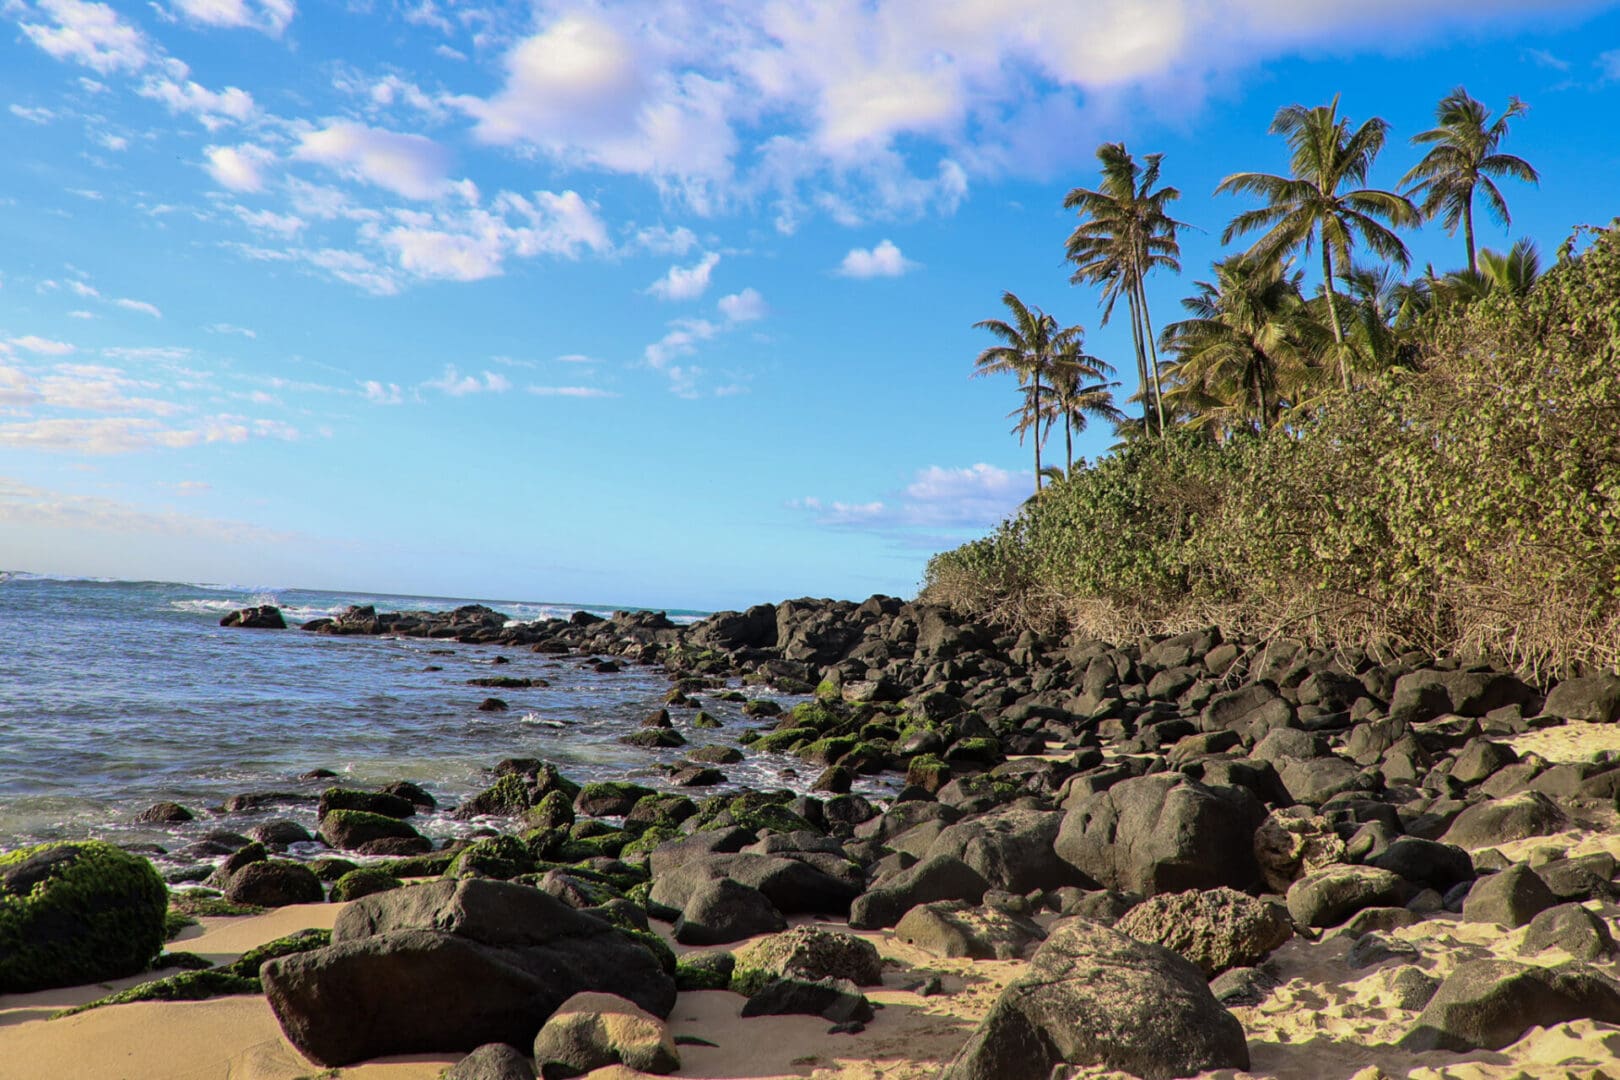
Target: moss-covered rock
{"x": 500, "y": 857}
{"x": 704, "y": 971}
{"x": 206, "y": 902}
{"x": 716, "y": 755}
{"x": 761, "y": 707}
{"x": 348, "y": 829}
{"x": 509, "y": 796}
{"x": 186, "y": 986}
{"x": 974, "y": 751}
{"x": 927, "y": 772}
{"x": 654, "y": 738}
{"x": 555, "y": 810}
{"x": 827, "y": 751}
{"x": 363, "y": 882}
{"x": 275, "y": 883}
{"x": 77, "y": 912}
{"x": 432, "y": 864}
{"x": 706, "y": 720}
{"x": 781, "y": 742}
{"x": 807, "y": 952}
{"x": 174, "y": 922}
{"x": 644, "y": 845}
{"x": 820, "y": 715}
{"x": 372, "y": 802}
{"x": 605, "y": 845}
{"x": 661, "y": 809}
{"x": 609, "y": 798}
{"x": 331, "y": 869}
{"x": 248, "y": 963}
{"x": 654, "y": 944}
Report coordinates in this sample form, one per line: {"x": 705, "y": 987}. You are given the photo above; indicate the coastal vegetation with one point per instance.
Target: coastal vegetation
{"x": 1430, "y": 462}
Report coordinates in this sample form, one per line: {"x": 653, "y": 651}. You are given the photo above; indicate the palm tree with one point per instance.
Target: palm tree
{"x": 1028, "y": 346}
{"x": 1123, "y": 235}
{"x": 1464, "y": 157}
{"x": 1079, "y": 391}
{"x": 1250, "y": 344}
{"x": 1513, "y": 273}
{"x": 1309, "y": 208}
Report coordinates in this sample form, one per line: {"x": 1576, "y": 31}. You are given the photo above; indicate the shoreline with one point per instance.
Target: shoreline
{"x": 1012, "y": 737}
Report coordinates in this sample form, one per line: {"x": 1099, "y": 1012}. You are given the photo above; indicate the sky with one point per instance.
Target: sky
{"x": 642, "y": 303}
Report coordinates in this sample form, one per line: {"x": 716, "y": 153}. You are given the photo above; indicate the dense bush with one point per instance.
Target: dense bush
{"x": 1470, "y": 504}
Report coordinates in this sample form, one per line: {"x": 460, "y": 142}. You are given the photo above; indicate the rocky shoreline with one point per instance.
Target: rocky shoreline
{"x": 1149, "y": 837}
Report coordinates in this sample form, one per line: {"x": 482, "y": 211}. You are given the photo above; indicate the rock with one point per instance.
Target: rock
{"x": 274, "y": 883}
{"x": 795, "y": 885}
{"x": 806, "y": 952}
{"x": 165, "y": 813}
{"x": 1243, "y": 986}
{"x": 1316, "y": 781}
{"x": 609, "y": 799}
{"x": 1215, "y": 929}
{"x": 372, "y": 802}
{"x": 1426, "y": 862}
{"x": 263, "y": 617}
{"x": 591, "y": 1031}
{"x": 1293, "y": 842}
{"x": 492, "y": 1061}
{"x": 954, "y": 928}
{"x": 1569, "y": 927}
{"x": 1095, "y": 997}
{"x": 1490, "y": 1004}
{"x": 1330, "y": 896}
{"x": 1163, "y": 833}
{"x": 838, "y": 1000}
{"x": 348, "y": 829}
{"x": 1410, "y": 987}
{"x": 1509, "y": 898}
{"x": 280, "y": 835}
{"x": 940, "y": 877}
{"x": 1376, "y": 947}
{"x": 1501, "y": 821}
{"x": 363, "y": 881}
{"x": 722, "y": 911}
{"x": 1595, "y": 698}
{"x": 1425, "y": 694}
{"x": 451, "y": 965}
{"x": 1011, "y": 849}
{"x": 77, "y": 912}
{"x": 1480, "y": 758}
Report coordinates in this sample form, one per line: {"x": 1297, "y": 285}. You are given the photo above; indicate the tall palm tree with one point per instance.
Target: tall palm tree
{"x": 1029, "y": 344}
{"x": 1309, "y": 208}
{"x": 1124, "y": 234}
{"x": 1079, "y": 391}
{"x": 1464, "y": 156}
{"x": 1250, "y": 345}
{"x": 1513, "y": 273}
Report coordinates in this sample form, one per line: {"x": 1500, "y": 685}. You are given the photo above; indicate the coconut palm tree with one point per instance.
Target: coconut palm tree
{"x": 1512, "y": 273}
{"x": 1309, "y": 208}
{"x": 1124, "y": 234}
{"x": 1250, "y": 345}
{"x": 1079, "y": 392}
{"x": 1463, "y": 157}
{"x": 1029, "y": 344}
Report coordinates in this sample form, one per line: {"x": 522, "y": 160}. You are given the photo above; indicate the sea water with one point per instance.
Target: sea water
{"x": 115, "y": 695}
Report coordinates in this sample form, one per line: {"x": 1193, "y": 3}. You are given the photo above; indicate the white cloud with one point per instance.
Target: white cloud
{"x": 937, "y": 498}
{"x": 268, "y": 221}
{"x": 268, "y": 16}
{"x": 227, "y": 328}
{"x": 239, "y": 168}
{"x": 126, "y": 435}
{"x": 884, "y": 260}
{"x": 681, "y": 340}
{"x": 32, "y": 115}
{"x": 430, "y": 253}
{"x": 745, "y": 306}
{"x": 108, "y": 141}
{"x": 382, "y": 393}
{"x": 410, "y": 165}
{"x": 24, "y": 504}
{"x": 571, "y": 391}
{"x": 139, "y": 305}
{"x": 213, "y": 109}
{"x": 91, "y": 34}
{"x": 576, "y": 358}
{"x": 661, "y": 240}
{"x": 457, "y": 385}
{"x": 685, "y": 282}
{"x": 40, "y": 346}
{"x": 82, "y": 288}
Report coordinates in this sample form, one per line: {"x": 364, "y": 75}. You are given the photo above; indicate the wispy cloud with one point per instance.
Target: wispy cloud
{"x": 571, "y": 391}
{"x": 939, "y": 501}
{"x": 685, "y": 282}
{"x": 455, "y": 384}
{"x": 139, "y": 305}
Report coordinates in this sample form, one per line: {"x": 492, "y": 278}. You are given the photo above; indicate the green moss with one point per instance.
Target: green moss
{"x": 816, "y": 714}
{"x": 247, "y": 965}
{"x": 653, "y": 944}
{"x": 705, "y": 720}
{"x": 605, "y": 791}
{"x": 826, "y": 691}
{"x": 879, "y": 730}
{"x": 704, "y": 971}
{"x": 187, "y": 986}
{"x": 330, "y": 870}
{"x": 554, "y": 811}
{"x": 648, "y": 841}
{"x": 174, "y": 922}
{"x": 500, "y": 857}
{"x": 980, "y": 751}
{"x": 75, "y": 913}
{"x": 363, "y": 881}
{"x": 927, "y": 772}
{"x": 748, "y": 738}
{"x": 186, "y": 961}
{"x": 761, "y": 707}
{"x": 592, "y": 847}
{"x": 663, "y": 809}
{"x": 206, "y": 902}
{"x": 778, "y": 742}
{"x": 506, "y": 797}
{"x": 432, "y": 864}
{"x": 543, "y": 844}
{"x": 827, "y": 751}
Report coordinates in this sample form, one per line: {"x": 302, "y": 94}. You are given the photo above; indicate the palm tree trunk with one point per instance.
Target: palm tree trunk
{"x": 1333, "y": 313}
{"x": 1068, "y": 441}
{"x": 1141, "y": 362}
{"x": 1468, "y": 232}
{"x": 1260, "y": 400}
{"x": 1037, "y": 432}
{"x": 1153, "y": 354}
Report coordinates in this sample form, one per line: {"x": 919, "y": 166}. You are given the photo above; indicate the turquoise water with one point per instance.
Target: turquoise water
{"x": 115, "y": 695}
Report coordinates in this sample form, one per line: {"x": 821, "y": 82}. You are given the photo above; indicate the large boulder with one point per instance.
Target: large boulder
{"x": 955, "y": 928}
{"x": 351, "y": 829}
{"x": 807, "y": 953}
{"x": 262, "y": 617}
{"x": 1011, "y": 849}
{"x": 1217, "y": 929}
{"x": 79, "y": 912}
{"x": 1490, "y": 1004}
{"x": 1502, "y": 821}
{"x": 1164, "y": 833}
{"x": 1509, "y": 897}
{"x": 274, "y": 883}
{"x": 805, "y": 884}
{"x": 1426, "y": 694}
{"x": 1095, "y": 997}
{"x": 1331, "y": 895}
{"x": 592, "y": 1031}
{"x": 1594, "y": 697}
{"x": 1293, "y": 842}
{"x": 937, "y": 878}
{"x": 448, "y": 966}
{"x": 722, "y": 910}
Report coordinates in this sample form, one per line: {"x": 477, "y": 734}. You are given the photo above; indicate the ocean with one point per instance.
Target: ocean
{"x": 115, "y": 695}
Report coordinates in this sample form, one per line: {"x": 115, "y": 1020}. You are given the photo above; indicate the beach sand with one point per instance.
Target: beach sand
{"x": 1325, "y": 1021}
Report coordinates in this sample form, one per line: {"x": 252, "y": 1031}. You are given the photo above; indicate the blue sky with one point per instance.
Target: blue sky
{"x": 630, "y": 302}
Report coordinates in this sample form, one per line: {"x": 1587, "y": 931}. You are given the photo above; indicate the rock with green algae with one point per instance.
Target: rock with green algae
{"x": 303, "y": 941}
{"x": 186, "y": 986}
{"x": 77, "y": 912}
{"x": 363, "y": 881}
